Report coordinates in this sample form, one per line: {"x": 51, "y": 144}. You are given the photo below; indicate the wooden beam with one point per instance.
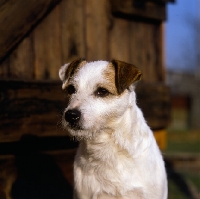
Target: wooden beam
{"x": 163, "y": 1}
{"x": 35, "y": 108}
{"x": 17, "y": 18}
{"x": 154, "y": 101}
{"x": 30, "y": 108}
{"x": 145, "y": 10}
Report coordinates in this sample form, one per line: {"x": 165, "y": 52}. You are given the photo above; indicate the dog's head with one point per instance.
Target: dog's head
{"x": 98, "y": 94}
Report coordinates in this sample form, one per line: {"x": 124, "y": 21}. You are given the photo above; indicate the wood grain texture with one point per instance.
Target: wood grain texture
{"x": 138, "y": 45}
{"x": 154, "y": 101}
{"x": 76, "y": 28}
{"x": 145, "y": 10}
{"x": 146, "y": 50}
{"x": 21, "y": 61}
{"x": 47, "y": 46}
{"x": 161, "y": 48}
{"x": 17, "y": 18}
{"x": 119, "y": 40}
{"x": 4, "y": 69}
{"x": 97, "y": 30}
{"x": 30, "y": 108}
{"x": 72, "y": 30}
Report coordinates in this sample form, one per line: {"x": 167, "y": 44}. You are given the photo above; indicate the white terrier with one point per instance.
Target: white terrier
{"x": 117, "y": 156}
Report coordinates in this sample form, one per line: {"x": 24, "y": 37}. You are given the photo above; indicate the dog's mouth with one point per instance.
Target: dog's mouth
{"x": 75, "y": 127}
{"x": 78, "y": 133}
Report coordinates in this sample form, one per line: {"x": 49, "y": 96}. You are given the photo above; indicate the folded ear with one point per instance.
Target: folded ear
{"x": 125, "y": 75}
{"x": 62, "y": 71}
{"x": 69, "y": 69}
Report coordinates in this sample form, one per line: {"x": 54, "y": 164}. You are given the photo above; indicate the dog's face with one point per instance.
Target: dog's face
{"x": 98, "y": 94}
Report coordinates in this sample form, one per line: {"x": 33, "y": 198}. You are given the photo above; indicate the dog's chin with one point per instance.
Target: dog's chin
{"x": 80, "y": 133}
{"x": 75, "y": 127}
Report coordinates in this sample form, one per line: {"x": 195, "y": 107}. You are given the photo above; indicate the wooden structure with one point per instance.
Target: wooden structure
{"x": 35, "y": 152}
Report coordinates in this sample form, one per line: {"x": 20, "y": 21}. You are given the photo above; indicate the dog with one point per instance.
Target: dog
{"x": 117, "y": 157}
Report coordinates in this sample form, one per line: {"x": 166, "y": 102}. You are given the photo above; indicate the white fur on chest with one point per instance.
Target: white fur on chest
{"x": 132, "y": 167}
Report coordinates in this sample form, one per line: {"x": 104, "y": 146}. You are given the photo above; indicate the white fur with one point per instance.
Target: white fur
{"x": 118, "y": 156}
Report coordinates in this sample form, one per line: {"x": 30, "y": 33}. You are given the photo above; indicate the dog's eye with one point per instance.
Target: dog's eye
{"x": 101, "y": 92}
{"x": 71, "y": 89}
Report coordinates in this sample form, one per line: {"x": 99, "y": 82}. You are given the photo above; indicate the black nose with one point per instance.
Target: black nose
{"x": 73, "y": 116}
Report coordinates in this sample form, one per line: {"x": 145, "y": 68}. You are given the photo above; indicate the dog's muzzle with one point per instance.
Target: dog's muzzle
{"x": 73, "y": 117}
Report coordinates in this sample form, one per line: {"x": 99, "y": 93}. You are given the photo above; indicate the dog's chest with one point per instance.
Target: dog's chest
{"x": 106, "y": 169}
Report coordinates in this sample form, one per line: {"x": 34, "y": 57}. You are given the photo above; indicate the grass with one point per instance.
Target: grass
{"x": 183, "y": 142}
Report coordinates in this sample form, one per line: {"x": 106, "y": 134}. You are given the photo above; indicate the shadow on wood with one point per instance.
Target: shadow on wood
{"x": 38, "y": 174}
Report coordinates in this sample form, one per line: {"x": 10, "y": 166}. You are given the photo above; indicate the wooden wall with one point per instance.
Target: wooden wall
{"x": 86, "y": 28}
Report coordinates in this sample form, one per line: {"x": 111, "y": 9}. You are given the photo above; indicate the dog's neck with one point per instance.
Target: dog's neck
{"x": 126, "y": 137}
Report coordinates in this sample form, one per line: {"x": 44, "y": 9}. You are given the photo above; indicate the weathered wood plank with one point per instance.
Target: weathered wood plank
{"x": 4, "y": 69}
{"x": 160, "y": 43}
{"x": 140, "y": 10}
{"x": 119, "y": 40}
{"x": 21, "y": 61}
{"x": 21, "y": 16}
{"x": 69, "y": 47}
{"x": 35, "y": 108}
{"x": 30, "y": 108}
{"x": 154, "y": 101}
{"x": 137, "y": 45}
{"x": 47, "y": 46}
{"x": 146, "y": 50}
{"x": 72, "y": 30}
{"x": 151, "y": 55}
{"x": 97, "y": 30}
{"x": 2, "y": 2}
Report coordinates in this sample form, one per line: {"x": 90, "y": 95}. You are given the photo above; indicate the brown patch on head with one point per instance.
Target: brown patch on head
{"x": 125, "y": 75}
{"x": 73, "y": 67}
{"x": 109, "y": 76}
